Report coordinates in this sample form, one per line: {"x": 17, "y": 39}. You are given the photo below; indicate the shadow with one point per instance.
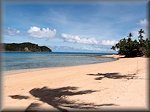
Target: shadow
{"x": 33, "y": 107}
{"x": 20, "y": 97}
{"x": 58, "y": 98}
{"x": 111, "y": 104}
{"x": 113, "y": 76}
{"x": 89, "y": 105}
{"x": 130, "y": 57}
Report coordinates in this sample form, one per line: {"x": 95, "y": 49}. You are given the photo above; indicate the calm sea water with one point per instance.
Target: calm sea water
{"x": 29, "y": 60}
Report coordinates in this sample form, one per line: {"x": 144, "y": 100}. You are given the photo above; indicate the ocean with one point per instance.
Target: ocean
{"x": 29, "y": 60}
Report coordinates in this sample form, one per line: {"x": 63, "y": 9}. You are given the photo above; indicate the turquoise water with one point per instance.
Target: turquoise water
{"x": 29, "y": 60}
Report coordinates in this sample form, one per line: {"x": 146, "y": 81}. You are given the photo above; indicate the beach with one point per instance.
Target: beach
{"x": 120, "y": 84}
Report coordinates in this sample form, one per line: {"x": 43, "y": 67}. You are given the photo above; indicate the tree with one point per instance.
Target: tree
{"x": 141, "y": 31}
{"x": 131, "y": 48}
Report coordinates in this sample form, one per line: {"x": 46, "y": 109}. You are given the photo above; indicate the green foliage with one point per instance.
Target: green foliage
{"x": 133, "y": 48}
{"x": 26, "y": 46}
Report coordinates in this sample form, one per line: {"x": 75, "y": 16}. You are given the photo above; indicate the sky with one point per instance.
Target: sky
{"x": 73, "y": 27}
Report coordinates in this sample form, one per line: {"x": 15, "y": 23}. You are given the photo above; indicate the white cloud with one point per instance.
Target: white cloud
{"x": 90, "y": 48}
{"x": 78, "y": 39}
{"x": 90, "y": 41}
{"x": 143, "y": 22}
{"x": 85, "y": 48}
{"x": 108, "y": 42}
{"x": 41, "y": 32}
{"x": 12, "y": 32}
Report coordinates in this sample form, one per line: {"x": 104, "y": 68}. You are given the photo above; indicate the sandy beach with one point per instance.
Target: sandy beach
{"x": 120, "y": 84}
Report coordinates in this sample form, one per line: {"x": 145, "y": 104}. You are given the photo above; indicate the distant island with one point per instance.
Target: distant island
{"x": 25, "y": 47}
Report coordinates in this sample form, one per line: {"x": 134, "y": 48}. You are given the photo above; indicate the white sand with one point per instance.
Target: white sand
{"x": 67, "y": 87}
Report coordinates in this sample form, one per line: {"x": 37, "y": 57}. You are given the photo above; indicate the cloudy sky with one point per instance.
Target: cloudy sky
{"x": 73, "y": 27}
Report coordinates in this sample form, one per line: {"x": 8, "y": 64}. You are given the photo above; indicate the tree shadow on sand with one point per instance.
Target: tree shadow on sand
{"x": 113, "y": 76}
{"x": 58, "y": 98}
{"x": 20, "y": 97}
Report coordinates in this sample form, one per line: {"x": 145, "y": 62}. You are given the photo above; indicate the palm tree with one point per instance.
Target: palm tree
{"x": 131, "y": 48}
{"x": 141, "y": 31}
{"x": 129, "y": 37}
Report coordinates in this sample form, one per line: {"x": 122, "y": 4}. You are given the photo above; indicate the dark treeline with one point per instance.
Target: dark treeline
{"x": 133, "y": 48}
{"x": 26, "y": 46}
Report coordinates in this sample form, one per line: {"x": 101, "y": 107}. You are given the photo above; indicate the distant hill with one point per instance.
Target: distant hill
{"x": 25, "y": 47}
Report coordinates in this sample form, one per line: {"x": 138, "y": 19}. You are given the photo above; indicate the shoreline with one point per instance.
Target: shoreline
{"x": 117, "y": 84}
{"x": 11, "y": 72}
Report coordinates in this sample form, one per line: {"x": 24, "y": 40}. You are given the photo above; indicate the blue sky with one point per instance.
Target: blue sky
{"x": 86, "y": 27}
